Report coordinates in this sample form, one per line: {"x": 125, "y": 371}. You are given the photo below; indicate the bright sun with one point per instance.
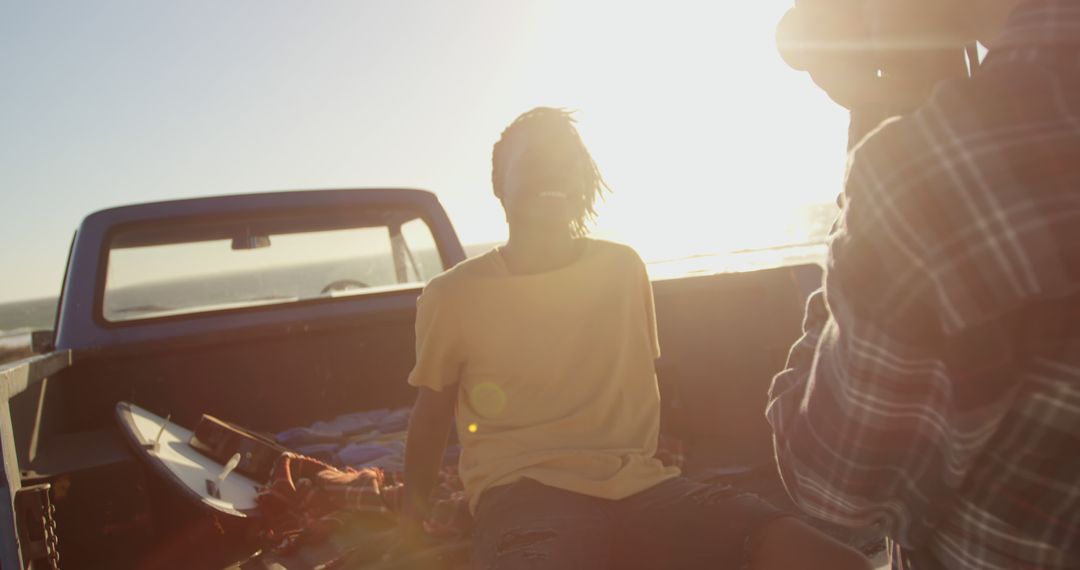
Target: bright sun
{"x": 710, "y": 143}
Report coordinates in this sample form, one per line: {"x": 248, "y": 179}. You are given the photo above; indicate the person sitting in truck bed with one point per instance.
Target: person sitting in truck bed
{"x": 936, "y": 391}
{"x": 545, "y": 348}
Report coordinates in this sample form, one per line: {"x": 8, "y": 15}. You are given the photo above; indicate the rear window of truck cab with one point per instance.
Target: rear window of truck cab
{"x": 185, "y": 267}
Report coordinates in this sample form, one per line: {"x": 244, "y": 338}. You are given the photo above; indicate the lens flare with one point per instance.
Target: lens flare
{"x": 488, "y": 399}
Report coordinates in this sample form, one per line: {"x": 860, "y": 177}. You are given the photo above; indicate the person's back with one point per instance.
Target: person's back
{"x": 947, "y": 371}
{"x": 556, "y": 381}
{"x": 544, "y": 351}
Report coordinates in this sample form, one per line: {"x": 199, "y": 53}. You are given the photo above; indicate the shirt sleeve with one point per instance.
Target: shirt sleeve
{"x": 650, "y": 309}
{"x": 439, "y": 356}
{"x": 893, "y": 391}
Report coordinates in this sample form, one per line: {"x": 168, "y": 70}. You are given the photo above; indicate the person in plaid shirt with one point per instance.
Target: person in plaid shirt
{"x": 935, "y": 392}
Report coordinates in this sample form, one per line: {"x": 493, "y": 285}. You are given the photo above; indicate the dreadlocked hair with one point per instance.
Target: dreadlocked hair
{"x": 561, "y": 122}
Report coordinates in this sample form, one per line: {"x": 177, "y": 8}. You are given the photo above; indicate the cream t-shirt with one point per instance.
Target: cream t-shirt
{"x": 554, "y": 371}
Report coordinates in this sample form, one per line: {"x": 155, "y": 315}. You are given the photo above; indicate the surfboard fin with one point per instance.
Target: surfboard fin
{"x": 213, "y": 486}
{"x": 154, "y": 445}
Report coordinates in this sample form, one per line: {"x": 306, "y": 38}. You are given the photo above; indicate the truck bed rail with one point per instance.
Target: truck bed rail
{"x": 16, "y": 378}
{"x": 18, "y": 346}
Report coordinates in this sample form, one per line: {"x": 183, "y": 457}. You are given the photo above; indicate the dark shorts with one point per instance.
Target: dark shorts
{"x": 677, "y": 524}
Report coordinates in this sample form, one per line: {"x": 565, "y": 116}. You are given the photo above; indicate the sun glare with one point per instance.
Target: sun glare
{"x": 709, "y": 141}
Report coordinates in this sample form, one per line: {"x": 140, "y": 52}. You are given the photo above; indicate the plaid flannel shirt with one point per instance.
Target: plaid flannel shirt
{"x": 935, "y": 392}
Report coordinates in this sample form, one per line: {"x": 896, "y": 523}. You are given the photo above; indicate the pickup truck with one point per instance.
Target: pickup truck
{"x": 279, "y": 309}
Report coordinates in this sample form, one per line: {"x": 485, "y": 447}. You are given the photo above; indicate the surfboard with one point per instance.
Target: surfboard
{"x": 180, "y": 465}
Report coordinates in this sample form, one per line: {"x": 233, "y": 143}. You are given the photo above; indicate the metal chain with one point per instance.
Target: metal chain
{"x": 52, "y": 546}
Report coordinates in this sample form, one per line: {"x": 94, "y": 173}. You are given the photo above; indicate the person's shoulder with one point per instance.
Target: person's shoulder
{"x": 970, "y": 122}
{"x": 613, "y": 249}
{"x": 483, "y": 265}
{"x": 907, "y": 155}
{"x": 950, "y": 113}
{"x": 960, "y": 115}
{"x": 615, "y": 252}
{"x": 462, "y": 272}
{"x": 878, "y": 147}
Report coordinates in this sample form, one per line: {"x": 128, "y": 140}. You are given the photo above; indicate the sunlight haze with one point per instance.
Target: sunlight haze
{"x": 709, "y": 142}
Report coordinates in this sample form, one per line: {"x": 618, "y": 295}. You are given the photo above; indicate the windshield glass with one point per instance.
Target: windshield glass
{"x": 163, "y": 270}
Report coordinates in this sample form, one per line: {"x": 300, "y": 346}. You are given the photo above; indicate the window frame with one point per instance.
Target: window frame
{"x": 355, "y": 217}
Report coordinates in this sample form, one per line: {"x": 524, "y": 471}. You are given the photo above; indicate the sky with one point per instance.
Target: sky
{"x": 709, "y": 141}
